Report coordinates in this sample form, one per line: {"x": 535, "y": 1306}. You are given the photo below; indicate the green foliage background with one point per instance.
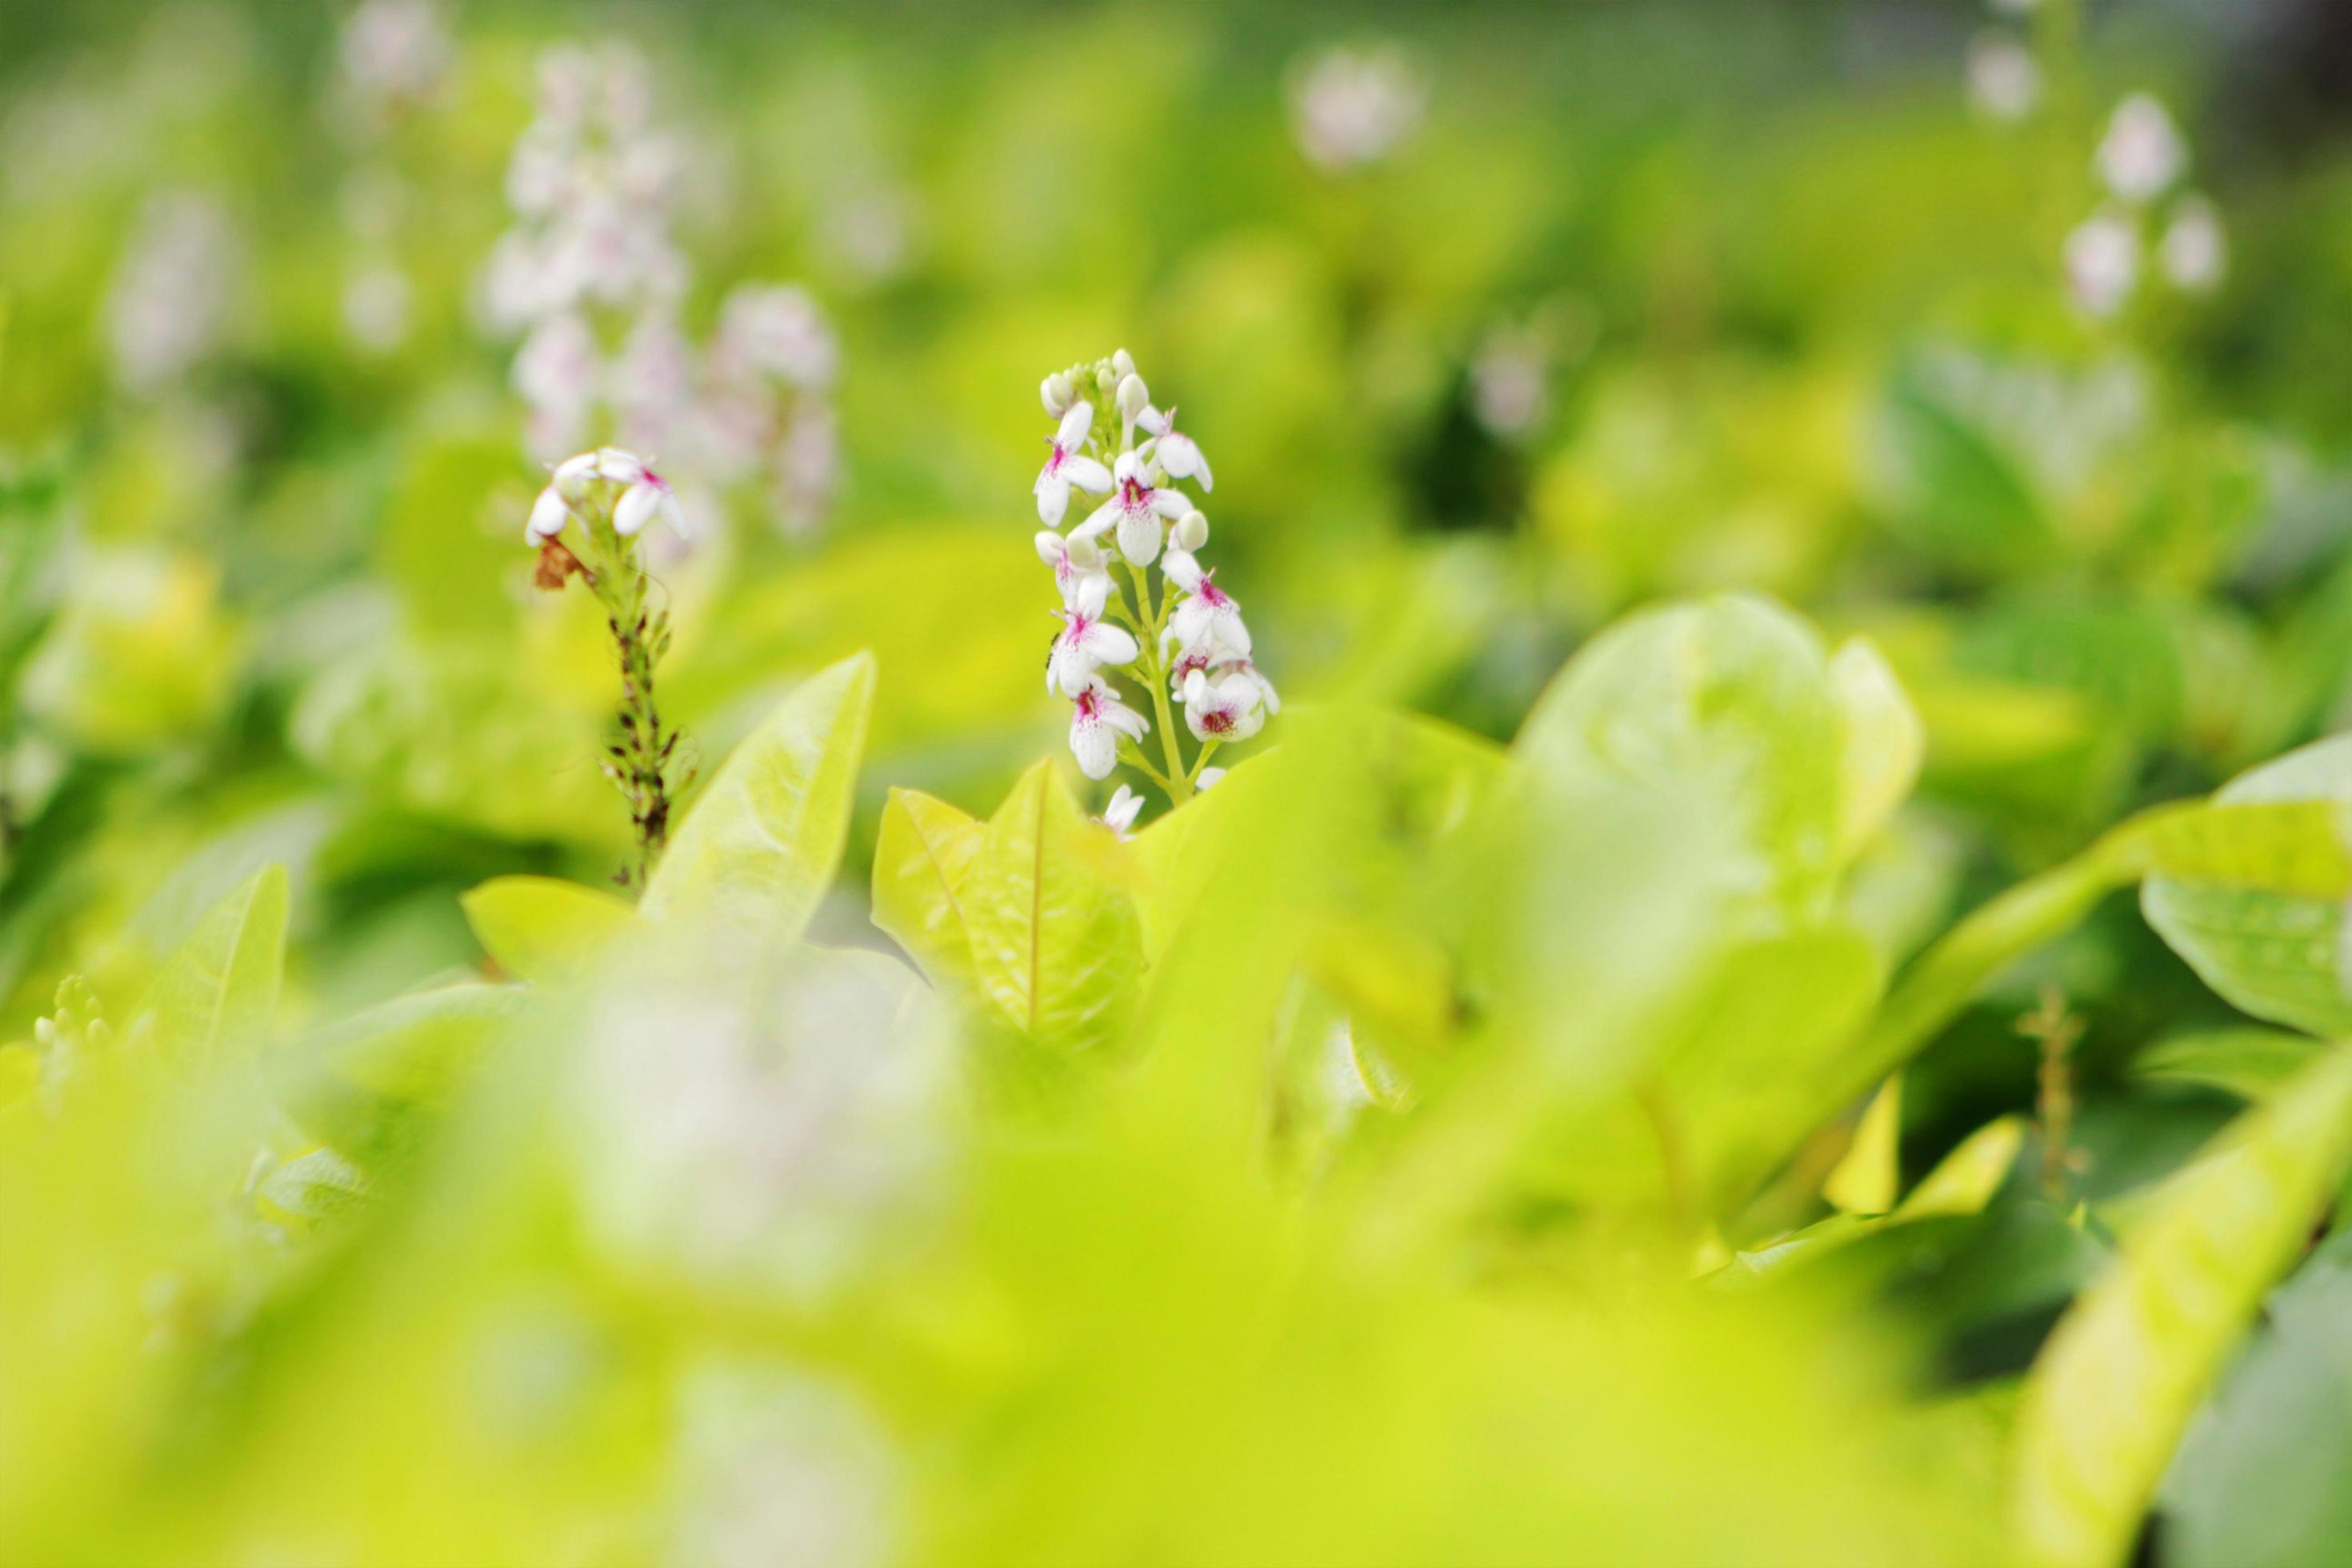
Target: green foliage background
{"x": 1561, "y": 1098}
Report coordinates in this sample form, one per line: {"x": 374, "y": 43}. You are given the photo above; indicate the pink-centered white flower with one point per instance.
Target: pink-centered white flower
{"x": 1073, "y": 561}
{"x": 1178, "y": 454}
{"x": 1207, "y": 615}
{"x": 2142, "y": 154}
{"x": 1139, "y": 509}
{"x": 1120, "y": 813}
{"x": 1098, "y": 720}
{"x": 645, "y": 496}
{"x": 1223, "y": 710}
{"x": 1087, "y": 642}
{"x": 1068, "y": 465}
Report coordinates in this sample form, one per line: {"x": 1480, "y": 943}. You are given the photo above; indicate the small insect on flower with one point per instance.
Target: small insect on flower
{"x": 1098, "y": 720}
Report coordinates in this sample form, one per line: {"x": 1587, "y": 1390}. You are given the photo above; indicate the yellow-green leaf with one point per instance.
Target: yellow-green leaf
{"x": 921, "y": 857}
{"x": 1881, "y": 742}
{"x": 759, "y": 850}
{"x": 215, "y": 996}
{"x": 2128, "y": 1367}
{"x": 1056, "y": 940}
{"x": 543, "y": 927}
{"x": 1865, "y": 1180}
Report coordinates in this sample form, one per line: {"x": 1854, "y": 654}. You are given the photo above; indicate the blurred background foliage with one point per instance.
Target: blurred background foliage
{"x": 1623, "y": 302}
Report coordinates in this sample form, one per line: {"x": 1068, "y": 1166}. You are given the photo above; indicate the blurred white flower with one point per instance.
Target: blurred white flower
{"x": 558, "y": 374}
{"x": 1510, "y": 383}
{"x": 2102, "y": 264}
{"x": 394, "y": 53}
{"x": 2195, "y": 250}
{"x": 1098, "y": 722}
{"x": 2142, "y": 154}
{"x": 652, "y": 385}
{"x": 170, "y": 303}
{"x": 376, "y": 308}
{"x": 774, "y": 1469}
{"x": 1209, "y": 778}
{"x": 775, "y": 329}
{"x": 1350, "y": 108}
{"x": 2004, "y": 79}
{"x": 755, "y": 1121}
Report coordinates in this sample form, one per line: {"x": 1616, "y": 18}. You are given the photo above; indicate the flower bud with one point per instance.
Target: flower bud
{"x": 1084, "y": 555}
{"x": 1057, "y": 394}
{"x": 1122, "y": 363}
{"x": 1107, "y": 382}
{"x": 1134, "y": 397}
{"x": 1192, "y": 531}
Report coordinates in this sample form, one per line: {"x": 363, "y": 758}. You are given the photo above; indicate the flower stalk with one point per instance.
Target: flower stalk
{"x": 609, "y": 495}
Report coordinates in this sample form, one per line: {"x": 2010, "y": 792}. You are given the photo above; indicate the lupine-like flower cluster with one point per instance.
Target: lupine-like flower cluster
{"x": 602, "y": 500}
{"x": 590, "y": 274}
{"x": 1134, "y": 593}
{"x": 392, "y": 58}
{"x": 2141, "y": 162}
{"x": 1352, "y": 107}
{"x": 175, "y": 293}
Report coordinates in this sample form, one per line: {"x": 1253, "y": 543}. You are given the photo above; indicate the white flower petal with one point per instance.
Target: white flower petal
{"x": 1086, "y": 472}
{"x": 548, "y": 515}
{"x": 1100, "y": 519}
{"x": 1072, "y": 434}
{"x": 1138, "y": 536}
{"x": 1109, "y": 643}
{"x": 1094, "y": 743}
{"x": 620, "y": 467}
{"x": 1091, "y": 594}
{"x": 1183, "y": 570}
{"x": 1053, "y": 497}
{"x": 636, "y": 507}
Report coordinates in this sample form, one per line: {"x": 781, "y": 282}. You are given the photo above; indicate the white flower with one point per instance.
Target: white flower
{"x": 1224, "y": 710}
{"x": 1073, "y": 561}
{"x": 1350, "y": 109}
{"x": 1067, "y": 465}
{"x": 376, "y": 308}
{"x": 1509, "y": 383}
{"x": 1120, "y": 814}
{"x": 2102, "y": 264}
{"x": 1098, "y": 720}
{"x": 647, "y": 495}
{"x": 1137, "y": 507}
{"x": 2142, "y": 154}
{"x": 2004, "y": 79}
{"x": 2195, "y": 252}
{"x": 1087, "y": 642}
{"x": 548, "y": 513}
{"x": 394, "y": 51}
{"x": 1250, "y": 676}
{"x": 1177, "y": 453}
{"x": 1201, "y": 657}
{"x": 1206, "y": 616}
{"x": 775, "y": 329}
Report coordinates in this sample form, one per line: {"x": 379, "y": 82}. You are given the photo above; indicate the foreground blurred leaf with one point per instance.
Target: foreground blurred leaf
{"x": 371, "y": 1087}
{"x": 545, "y": 928}
{"x": 216, "y": 995}
{"x": 2128, "y": 1365}
{"x": 758, "y": 850}
{"x": 2260, "y": 1479}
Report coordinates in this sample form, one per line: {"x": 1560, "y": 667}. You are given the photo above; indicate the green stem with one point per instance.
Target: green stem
{"x": 1942, "y": 980}
{"x": 1177, "y": 781}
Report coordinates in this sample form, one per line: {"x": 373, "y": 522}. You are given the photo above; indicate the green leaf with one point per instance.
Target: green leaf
{"x": 320, "y": 1184}
{"x": 215, "y": 997}
{"x": 545, "y": 928}
{"x": 2247, "y": 1062}
{"x": 1056, "y": 940}
{"x": 759, "y": 850}
{"x": 370, "y": 1088}
{"x": 925, "y": 849}
{"x": 2250, "y": 889}
{"x": 2259, "y": 1483}
{"x": 2127, "y": 1366}
{"x": 1881, "y": 742}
